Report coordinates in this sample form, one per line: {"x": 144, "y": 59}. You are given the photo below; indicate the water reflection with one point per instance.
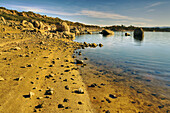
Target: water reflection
{"x": 138, "y": 38}
{"x": 107, "y": 36}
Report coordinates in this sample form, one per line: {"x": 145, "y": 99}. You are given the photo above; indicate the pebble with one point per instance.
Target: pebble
{"x": 112, "y": 96}
{"x": 79, "y": 91}
{"x": 19, "y": 79}
{"x": 39, "y": 106}
{"x": 29, "y": 65}
{"x": 39, "y": 97}
{"x": 65, "y": 100}
{"x": 31, "y": 94}
{"x": 1, "y": 79}
{"x": 51, "y": 65}
{"x": 80, "y": 103}
{"x": 51, "y": 75}
{"x": 93, "y": 85}
{"x": 49, "y": 92}
{"x": 66, "y": 87}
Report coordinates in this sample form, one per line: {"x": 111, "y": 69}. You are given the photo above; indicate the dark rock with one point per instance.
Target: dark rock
{"x": 139, "y": 34}
{"x": 127, "y": 34}
{"x": 80, "y": 103}
{"x": 108, "y": 100}
{"x": 93, "y": 85}
{"x": 66, "y": 87}
{"x": 65, "y": 100}
{"x": 85, "y": 58}
{"x": 107, "y": 32}
{"x": 112, "y": 96}
{"x": 100, "y": 45}
{"x": 79, "y": 91}
{"x": 162, "y": 106}
{"x": 79, "y": 62}
{"x": 39, "y": 106}
{"x": 60, "y": 106}
{"x": 49, "y": 92}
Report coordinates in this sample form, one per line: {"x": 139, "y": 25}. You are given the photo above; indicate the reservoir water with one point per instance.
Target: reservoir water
{"x": 148, "y": 58}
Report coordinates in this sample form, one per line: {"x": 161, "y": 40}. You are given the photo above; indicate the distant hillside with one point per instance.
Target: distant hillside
{"x": 131, "y": 28}
{"x": 19, "y": 16}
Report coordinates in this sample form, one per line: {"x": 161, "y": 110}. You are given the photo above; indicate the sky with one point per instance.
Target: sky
{"x": 147, "y": 13}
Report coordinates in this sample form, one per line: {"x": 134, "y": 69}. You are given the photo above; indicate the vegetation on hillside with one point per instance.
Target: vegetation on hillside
{"x": 19, "y": 16}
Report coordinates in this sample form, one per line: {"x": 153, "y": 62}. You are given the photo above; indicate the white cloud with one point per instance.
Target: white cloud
{"x": 154, "y": 4}
{"x": 98, "y": 14}
{"x": 89, "y": 13}
{"x": 150, "y": 10}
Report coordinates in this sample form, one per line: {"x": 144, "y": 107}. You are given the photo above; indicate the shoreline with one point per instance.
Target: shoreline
{"x": 131, "y": 96}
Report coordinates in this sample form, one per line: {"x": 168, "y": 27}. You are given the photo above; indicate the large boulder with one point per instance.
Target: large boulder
{"x": 36, "y": 24}
{"x": 27, "y": 24}
{"x": 75, "y": 30}
{"x": 69, "y": 35}
{"x": 63, "y": 27}
{"x": 107, "y": 32}
{"x": 2, "y": 19}
{"x": 138, "y": 33}
{"x": 41, "y": 26}
{"x": 23, "y": 23}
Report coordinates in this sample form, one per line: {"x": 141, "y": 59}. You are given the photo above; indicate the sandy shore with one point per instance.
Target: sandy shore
{"x": 39, "y": 75}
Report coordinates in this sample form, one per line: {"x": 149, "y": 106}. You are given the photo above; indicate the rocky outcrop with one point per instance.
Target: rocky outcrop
{"x": 2, "y": 20}
{"x": 107, "y": 32}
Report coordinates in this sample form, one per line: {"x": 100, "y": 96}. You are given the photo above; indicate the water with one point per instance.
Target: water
{"x": 149, "y": 58}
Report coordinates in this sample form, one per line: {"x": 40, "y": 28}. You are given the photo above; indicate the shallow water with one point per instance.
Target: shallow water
{"x": 149, "y": 58}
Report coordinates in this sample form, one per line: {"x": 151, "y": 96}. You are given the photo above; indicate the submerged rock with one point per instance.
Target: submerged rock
{"x": 100, "y": 45}
{"x": 127, "y": 34}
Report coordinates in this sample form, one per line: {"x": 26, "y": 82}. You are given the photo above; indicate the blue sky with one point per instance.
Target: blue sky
{"x": 99, "y": 12}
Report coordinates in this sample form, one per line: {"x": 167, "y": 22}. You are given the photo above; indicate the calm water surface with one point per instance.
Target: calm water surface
{"x": 148, "y": 58}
